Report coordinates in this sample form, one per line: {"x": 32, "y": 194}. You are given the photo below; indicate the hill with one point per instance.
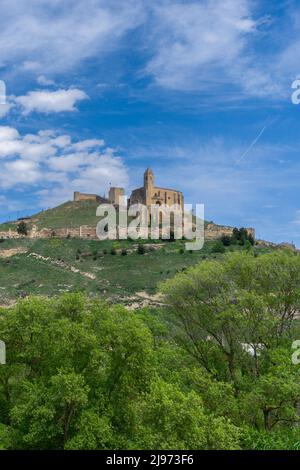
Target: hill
{"x": 70, "y": 214}
{"x": 51, "y": 266}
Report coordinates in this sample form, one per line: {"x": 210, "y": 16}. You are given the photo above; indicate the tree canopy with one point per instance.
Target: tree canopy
{"x": 210, "y": 370}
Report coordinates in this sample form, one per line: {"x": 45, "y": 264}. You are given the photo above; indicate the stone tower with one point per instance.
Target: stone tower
{"x": 148, "y": 186}
{"x": 115, "y": 194}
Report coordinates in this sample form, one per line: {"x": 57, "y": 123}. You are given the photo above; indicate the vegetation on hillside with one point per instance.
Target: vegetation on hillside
{"x": 210, "y": 370}
{"x": 45, "y": 267}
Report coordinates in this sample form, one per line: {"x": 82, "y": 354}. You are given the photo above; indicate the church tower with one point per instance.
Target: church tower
{"x": 148, "y": 186}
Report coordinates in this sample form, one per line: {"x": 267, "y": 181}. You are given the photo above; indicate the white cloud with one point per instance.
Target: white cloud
{"x": 202, "y": 45}
{"x": 54, "y": 166}
{"x": 47, "y": 101}
{"x": 8, "y": 134}
{"x": 42, "y": 80}
{"x": 189, "y": 44}
{"x": 54, "y": 37}
{"x": 220, "y": 47}
{"x": 5, "y": 108}
{"x": 89, "y": 143}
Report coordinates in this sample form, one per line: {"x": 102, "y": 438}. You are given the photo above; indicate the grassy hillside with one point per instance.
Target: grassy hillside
{"x": 51, "y": 266}
{"x": 69, "y": 214}
{"x": 48, "y": 267}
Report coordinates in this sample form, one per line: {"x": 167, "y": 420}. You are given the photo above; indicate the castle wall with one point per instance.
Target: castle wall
{"x": 212, "y": 232}
{"x": 10, "y": 234}
{"x": 85, "y": 197}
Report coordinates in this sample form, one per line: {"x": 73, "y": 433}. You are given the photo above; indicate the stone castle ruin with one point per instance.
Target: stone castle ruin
{"x": 147, "y": 195}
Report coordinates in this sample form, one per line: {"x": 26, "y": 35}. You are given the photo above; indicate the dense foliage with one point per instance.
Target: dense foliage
{"x": 240, "y": 236}
{"x": 211, "y": 370}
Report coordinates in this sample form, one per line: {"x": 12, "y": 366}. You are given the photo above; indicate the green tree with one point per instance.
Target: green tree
{"x": 22, "y": 228}
{"x": 236, "y": 317}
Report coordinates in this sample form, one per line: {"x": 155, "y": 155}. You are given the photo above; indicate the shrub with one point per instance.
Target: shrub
{"x": 251, "y": 239}
{"x": 226, "y": 240}
{"x": 218, "y": 247}
{"x": 247, "y": 246}
{"x": 141, "y": 249}
{"x": 22, "y": 228}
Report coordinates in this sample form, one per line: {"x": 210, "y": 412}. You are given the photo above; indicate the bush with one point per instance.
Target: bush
{"x": 226, "y": 240}
{"x": 218, "y": 247}
{"x": 141, "y": 249}
{"x": 251, "y": 239}
{"x": 248, "y": 245}
{"x": 22, "y": 228}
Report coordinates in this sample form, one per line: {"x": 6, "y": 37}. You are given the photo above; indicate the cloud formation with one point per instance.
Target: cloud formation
{"x": 53, "y": 37}
{"x": 193, "y": 41}
{"x": 182, "y": 45}
{"x": 47, "y": 101}
{"x": 54, "y": 166}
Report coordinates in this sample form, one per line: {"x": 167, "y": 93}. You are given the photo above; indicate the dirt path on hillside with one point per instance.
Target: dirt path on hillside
{"x": 143, "y": 299}
{"x": 62, "y": 264}
{"x": 8, "y": 253}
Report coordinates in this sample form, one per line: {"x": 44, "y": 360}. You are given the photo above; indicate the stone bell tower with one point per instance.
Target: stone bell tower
{"x": 148, "y": 186}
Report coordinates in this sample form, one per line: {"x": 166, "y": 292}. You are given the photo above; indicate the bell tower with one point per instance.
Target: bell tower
{"x": 148, "y": 185}
{"x": 148, "y": 178}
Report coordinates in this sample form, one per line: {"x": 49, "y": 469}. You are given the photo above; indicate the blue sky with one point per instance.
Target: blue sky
{"x": 198, "y": 90}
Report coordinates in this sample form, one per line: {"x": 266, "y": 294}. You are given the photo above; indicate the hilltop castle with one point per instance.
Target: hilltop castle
{"x": 148, "y": 194}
